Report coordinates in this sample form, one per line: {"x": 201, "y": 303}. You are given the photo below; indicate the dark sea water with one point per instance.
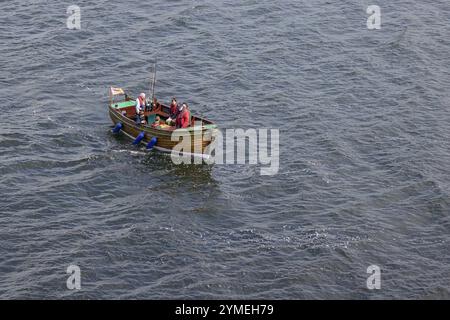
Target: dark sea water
{"x": 364, "y": 150}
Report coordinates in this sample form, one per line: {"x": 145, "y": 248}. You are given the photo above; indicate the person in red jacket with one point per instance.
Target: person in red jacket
{"x": 183, "y": 117}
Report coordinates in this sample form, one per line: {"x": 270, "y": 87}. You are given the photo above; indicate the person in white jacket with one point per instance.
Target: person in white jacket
{"x": 140, "y": 107}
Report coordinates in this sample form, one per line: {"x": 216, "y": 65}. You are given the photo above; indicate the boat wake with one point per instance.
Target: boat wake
{"x": 132, "y": 152}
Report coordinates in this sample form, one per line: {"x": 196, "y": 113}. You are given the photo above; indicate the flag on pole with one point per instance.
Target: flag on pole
{"x": 116, "y": 91}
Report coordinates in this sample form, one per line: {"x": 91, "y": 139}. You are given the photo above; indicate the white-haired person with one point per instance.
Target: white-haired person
{"x": 140, "y": 107}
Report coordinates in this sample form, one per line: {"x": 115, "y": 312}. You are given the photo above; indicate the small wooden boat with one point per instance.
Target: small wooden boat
{"x": 122, "y": 110}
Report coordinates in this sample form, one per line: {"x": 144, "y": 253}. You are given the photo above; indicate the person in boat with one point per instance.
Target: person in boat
{"x": 140, "y": 107}
{"x": 157, "y": 122}
{"x": 173, "y": 112}
{"x": 155, "y": 105}
{"x": 183, "y": 116}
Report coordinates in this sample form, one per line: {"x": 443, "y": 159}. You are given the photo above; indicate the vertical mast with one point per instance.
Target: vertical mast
{"x": 153, "y": 82}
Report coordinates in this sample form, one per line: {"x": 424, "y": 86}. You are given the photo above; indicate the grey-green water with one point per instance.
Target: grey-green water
{"x": 364, "y": 150}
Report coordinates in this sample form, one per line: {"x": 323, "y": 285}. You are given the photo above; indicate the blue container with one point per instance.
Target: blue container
{"x": 151, "y": 143}
{"x": 139, "y": 138}
{"x": 118, "y": 127}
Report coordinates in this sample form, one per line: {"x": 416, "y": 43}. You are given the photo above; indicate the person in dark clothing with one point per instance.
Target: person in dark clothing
{"x": 173, "y": 112}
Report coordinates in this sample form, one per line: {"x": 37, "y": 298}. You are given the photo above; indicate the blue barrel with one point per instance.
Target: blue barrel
{"x": 118, "y": 127}
{"x": 139, "y": 138}
{"x": 151, "y": 143}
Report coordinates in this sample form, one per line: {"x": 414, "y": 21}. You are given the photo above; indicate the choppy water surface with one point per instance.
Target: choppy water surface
{"x": 364, "y": 150}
